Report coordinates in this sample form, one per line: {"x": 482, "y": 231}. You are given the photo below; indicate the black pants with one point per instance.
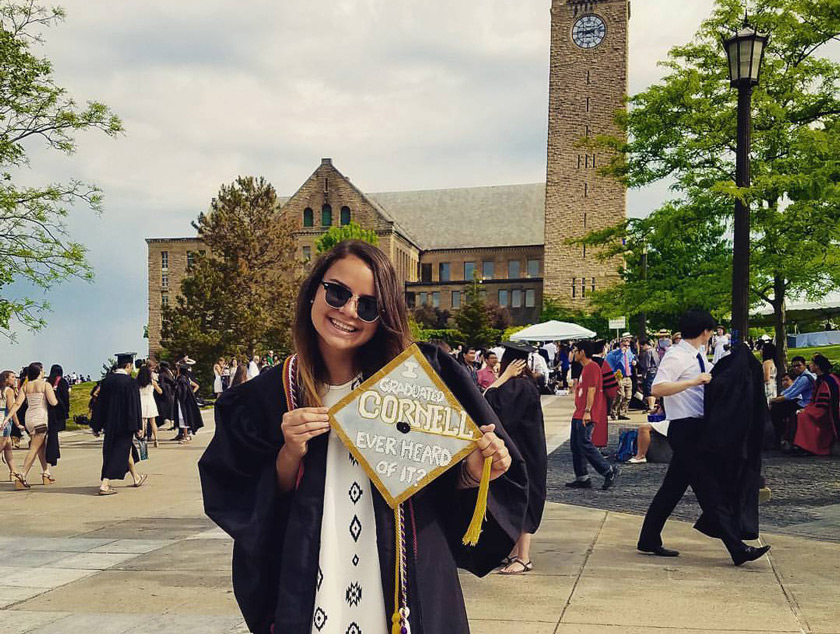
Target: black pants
{"x": 689, "y": 468}
{"x": 783, "y": 415}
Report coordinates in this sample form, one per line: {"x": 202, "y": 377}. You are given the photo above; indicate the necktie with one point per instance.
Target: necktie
{"x": 626, "y": 365}
{"x": 701, "y": 362}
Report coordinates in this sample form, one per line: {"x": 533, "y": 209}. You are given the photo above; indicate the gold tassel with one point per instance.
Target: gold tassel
{"x": 395, "y": 617}
{"x": 474, "y": 529}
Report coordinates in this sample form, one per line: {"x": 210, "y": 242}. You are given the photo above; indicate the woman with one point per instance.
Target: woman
{"x": 768, "y": 365}
{"x": 8, "y": 380}
{"x": 240, "y": 376}
{"x": 818, "y": 423}
{"x": 217, "y": 377}
{"x": 271, "y": 484}
{"x": 148, "y": 407}
{"x": 515, "y": 398}
{"x": 58, "y": 416}
{"x": 36, "y": 394}
{"x": 187, "y": 413}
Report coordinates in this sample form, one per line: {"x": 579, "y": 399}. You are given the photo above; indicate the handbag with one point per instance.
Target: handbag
{"x": 141, "y": 447}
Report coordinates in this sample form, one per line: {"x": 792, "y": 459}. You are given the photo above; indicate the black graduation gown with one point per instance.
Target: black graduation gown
{"x": 185, "y": 397}
{"x": 165, "y": 400}
{"x": 57, "y": 417}
{"x": 517, "y": 404}
{"x": 118, "y": 414}
{"x": 735, "y": 408}
{"x": 277, "y": 537}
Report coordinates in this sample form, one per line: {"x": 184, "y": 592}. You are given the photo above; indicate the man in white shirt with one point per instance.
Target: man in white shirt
{"x": 551, "y": 349}
{"x": 680, "y": 381}
{"x": 539, "y": 368}
{"x": 253, "y": 368}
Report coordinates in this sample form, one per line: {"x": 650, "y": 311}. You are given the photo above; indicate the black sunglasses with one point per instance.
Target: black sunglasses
{"x": 337, "y": 296}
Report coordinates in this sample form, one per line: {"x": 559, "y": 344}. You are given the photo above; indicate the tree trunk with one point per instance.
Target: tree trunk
{"x": 780, "y": 319}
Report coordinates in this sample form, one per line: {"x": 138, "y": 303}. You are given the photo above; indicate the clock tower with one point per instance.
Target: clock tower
{"x": 587, "y": 85}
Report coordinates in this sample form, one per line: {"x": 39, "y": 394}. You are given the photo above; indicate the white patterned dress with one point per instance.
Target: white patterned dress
{"x": 348, "y": 595}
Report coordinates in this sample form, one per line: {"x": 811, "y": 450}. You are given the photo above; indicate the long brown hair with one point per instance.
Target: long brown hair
{"x": 392, "y": 334}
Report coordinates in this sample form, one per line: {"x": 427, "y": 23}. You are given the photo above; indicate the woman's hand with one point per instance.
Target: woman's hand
{"x": 514, "y": 369}
{"x": 489, "y": 446}
{"x": 302, "y": 425}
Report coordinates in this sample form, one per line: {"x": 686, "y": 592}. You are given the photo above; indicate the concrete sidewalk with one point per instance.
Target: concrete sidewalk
{"x": 148, "y": 561}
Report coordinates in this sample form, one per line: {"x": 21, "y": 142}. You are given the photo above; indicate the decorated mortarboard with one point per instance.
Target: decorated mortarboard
{"x": 517, "y": 349}
{"x": 125, "y": 357}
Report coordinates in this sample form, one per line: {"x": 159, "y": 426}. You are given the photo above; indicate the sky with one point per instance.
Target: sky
{"x": 401, "y": 95}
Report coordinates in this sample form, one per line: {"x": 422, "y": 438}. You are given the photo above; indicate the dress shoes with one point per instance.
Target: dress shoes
{"x": 750, "y": 553}
{"x": 579, "y": 484}
{"x": 659, "y": 551}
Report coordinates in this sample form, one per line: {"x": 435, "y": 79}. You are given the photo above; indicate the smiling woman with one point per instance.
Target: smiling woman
{"x": 315, "y": 547}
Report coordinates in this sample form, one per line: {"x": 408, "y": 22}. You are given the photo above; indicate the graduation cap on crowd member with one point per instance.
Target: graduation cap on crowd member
{"x": 516, "y": 350}
{"x": 124, "y": 358}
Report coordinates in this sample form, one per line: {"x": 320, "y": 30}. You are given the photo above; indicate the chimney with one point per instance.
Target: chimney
{"x": 326, "y": 161}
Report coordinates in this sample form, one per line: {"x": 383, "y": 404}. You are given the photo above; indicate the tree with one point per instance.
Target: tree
{"x": 35, "y": 245}
{"x": 351, "y": 231}
{"x": 239, "y": 298}
{"x": 430, "y": 317}
{"x": 555, "y": 309}
{"x": 474, "y": 320}
{"x": 684, "y": 129}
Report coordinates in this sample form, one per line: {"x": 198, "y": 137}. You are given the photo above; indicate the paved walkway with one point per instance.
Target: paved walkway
{"x": 148, "y": 561}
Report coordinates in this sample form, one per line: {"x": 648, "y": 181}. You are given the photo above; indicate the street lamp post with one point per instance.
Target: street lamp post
{"x": 745, "y": 51}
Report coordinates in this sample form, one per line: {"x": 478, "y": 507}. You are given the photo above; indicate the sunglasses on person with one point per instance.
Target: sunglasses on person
{"x": 337, "y": 296}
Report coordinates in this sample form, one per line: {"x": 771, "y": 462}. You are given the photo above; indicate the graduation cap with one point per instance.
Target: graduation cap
{"x": 124, "y": 358}
{"x": 406, "y": 428}
{"x": 516, "y": 350}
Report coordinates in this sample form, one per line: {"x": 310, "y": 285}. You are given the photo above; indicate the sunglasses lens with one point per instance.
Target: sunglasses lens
{"x": 366, "y": 309}
{"x": 336, "y": 295}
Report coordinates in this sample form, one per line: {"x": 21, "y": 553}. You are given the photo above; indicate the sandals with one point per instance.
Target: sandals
{"x": 108, "y": 491}
{"x": 527, "y": 566}
{"x": 140, "y": 482}
{"x": 21, "y": 483}
{"x": 46, "y": 478}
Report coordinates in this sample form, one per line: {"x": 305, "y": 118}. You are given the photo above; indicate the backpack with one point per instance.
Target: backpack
{"x": 627, "y": 443}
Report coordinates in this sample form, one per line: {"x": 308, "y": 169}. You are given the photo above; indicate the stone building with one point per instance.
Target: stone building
{"x": 512, "y": 236}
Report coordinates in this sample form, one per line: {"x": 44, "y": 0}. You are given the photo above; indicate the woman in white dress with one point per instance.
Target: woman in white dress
{"x": 148, "y": 407}
{"x": 768, "y": 364}
{"x": 37, "y": 393}
{"x": 218, "y": 369}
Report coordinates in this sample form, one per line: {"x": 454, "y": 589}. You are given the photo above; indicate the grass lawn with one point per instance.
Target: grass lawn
{"x": 832, "y": 352}
{"x": 79, "y": 398}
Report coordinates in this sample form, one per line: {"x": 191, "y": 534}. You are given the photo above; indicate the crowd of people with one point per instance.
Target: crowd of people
{"x": 228, "y": 373}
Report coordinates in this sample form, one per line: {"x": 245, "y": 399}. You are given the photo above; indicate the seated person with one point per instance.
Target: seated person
{"x": 818, "y": 423}
{"x": 783, "y": 408}
{"x": 643, "y": 439}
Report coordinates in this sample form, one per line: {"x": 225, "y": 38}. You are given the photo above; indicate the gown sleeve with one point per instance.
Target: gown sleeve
{"x": 507, "y": 501}
{"x": 239, "y": 487}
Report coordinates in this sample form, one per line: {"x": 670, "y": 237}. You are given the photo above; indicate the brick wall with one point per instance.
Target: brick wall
{"x": 586, "y": 87}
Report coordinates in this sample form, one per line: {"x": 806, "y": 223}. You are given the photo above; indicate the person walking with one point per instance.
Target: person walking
{"x": 119, "y": 414}
{"x": 621, "y": 362}
{"x": 187, "y": 412}
{"x": 37, "y": 394}
{"x": 58, "y": 415}
{"x": 680, "y": 382}
{"x": 8, "y": 380}
{"x": 590, "y": 405}
{"x": 218, "y": 371}
{"x": 148, "y": 407}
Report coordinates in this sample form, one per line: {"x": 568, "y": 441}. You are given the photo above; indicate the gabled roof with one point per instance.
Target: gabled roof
{"x": 497, "y": 216}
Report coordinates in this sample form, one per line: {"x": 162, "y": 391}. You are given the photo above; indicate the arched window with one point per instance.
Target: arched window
{"x": 345, "y": 216}
{"x": 308, "y": 217}
{"x": 326, "y": 216}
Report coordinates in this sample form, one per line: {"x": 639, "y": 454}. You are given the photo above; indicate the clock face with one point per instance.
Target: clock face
{"x": 589, "y": 31}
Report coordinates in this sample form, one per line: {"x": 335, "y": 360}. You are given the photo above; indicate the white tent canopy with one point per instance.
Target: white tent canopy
{"x": 553, "y": 331}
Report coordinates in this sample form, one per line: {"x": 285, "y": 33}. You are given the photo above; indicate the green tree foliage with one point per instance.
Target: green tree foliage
{"x": 351, "y": 231}
{"x": 239, "y": 298}
{"x": 429, "y": 317}
{"x": 684, "y": 129}
{"x": 474, "y": 319}
{"x": 555, "y": 309}
{"x": 35, "y": 245}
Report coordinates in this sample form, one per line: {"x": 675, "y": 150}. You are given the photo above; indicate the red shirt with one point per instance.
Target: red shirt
{"x": 486, "y": 378}
{"x": 590, "y": 377}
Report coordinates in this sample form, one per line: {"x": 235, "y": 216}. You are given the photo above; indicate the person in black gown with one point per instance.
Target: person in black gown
{"x": 515, "y": 398}
{"x": 263, "y": 475}
{"x": 187, "y": 413}
{"x": 118, "y": 415}
{"x": 57, "y": 415}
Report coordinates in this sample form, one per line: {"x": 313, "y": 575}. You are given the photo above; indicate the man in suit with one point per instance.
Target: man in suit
{"x": 680, "y": 381}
